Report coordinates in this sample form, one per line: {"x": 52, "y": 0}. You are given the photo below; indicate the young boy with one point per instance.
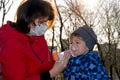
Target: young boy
{"x": 84, "y": 63}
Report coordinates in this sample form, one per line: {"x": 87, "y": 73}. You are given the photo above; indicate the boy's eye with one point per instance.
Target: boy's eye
{"x": 70, "y": 43}
{"x": 77, "y": 42}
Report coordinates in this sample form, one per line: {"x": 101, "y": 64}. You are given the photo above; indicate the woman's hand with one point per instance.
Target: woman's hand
{"x": 60, "y": 66}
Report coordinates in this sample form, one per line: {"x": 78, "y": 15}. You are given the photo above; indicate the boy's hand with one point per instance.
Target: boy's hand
{"x": 60, "y": 66}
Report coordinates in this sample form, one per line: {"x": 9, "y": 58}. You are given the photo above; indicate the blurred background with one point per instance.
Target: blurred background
{"x": 102, "y": 15}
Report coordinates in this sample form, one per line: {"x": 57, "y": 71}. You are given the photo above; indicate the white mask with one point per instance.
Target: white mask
{"x": 38, "y": 30}
{"x": 73, "y": 47}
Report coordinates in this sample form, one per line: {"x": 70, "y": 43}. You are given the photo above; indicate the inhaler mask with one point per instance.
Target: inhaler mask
{"x": 73, "y": 48}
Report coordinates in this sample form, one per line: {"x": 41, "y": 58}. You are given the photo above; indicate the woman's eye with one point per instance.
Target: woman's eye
{"x": 42, "y": 22}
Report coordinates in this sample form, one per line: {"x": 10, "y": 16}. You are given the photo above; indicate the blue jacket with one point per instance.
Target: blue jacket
{"x": 86, "y": 67}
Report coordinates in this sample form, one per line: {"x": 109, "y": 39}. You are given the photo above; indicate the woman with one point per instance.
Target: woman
{"x": 24, "y": 53}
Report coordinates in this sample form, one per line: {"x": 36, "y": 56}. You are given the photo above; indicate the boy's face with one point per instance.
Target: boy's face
{"x": 77, "y": 46}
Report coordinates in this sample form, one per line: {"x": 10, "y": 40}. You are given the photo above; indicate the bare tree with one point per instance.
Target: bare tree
{"x": 109, "y": 14}
{"x": 105, "y": 19}
{"x": 5, "y": 6}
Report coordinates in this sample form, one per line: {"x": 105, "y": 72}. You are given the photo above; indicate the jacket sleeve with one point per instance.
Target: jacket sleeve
{"x": 14, "y": 64}
{"x": 41, "y": 48}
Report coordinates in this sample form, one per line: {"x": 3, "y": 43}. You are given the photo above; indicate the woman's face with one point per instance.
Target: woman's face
{"x": 38, "y": 27}
{"x": 78, "y": 46}
{"x": 38, "y": 21}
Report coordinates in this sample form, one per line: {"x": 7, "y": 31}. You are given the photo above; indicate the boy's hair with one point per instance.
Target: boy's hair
{"x": 88, "y": 35}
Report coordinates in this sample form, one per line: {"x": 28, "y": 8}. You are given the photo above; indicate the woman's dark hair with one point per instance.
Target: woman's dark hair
{"x": 30, "y": 10}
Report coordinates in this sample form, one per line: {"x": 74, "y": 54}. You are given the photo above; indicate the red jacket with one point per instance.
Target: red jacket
{"x": 23, "y": 57}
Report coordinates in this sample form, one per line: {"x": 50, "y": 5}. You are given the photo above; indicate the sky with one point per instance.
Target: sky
{"x": 11, "y": 13}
